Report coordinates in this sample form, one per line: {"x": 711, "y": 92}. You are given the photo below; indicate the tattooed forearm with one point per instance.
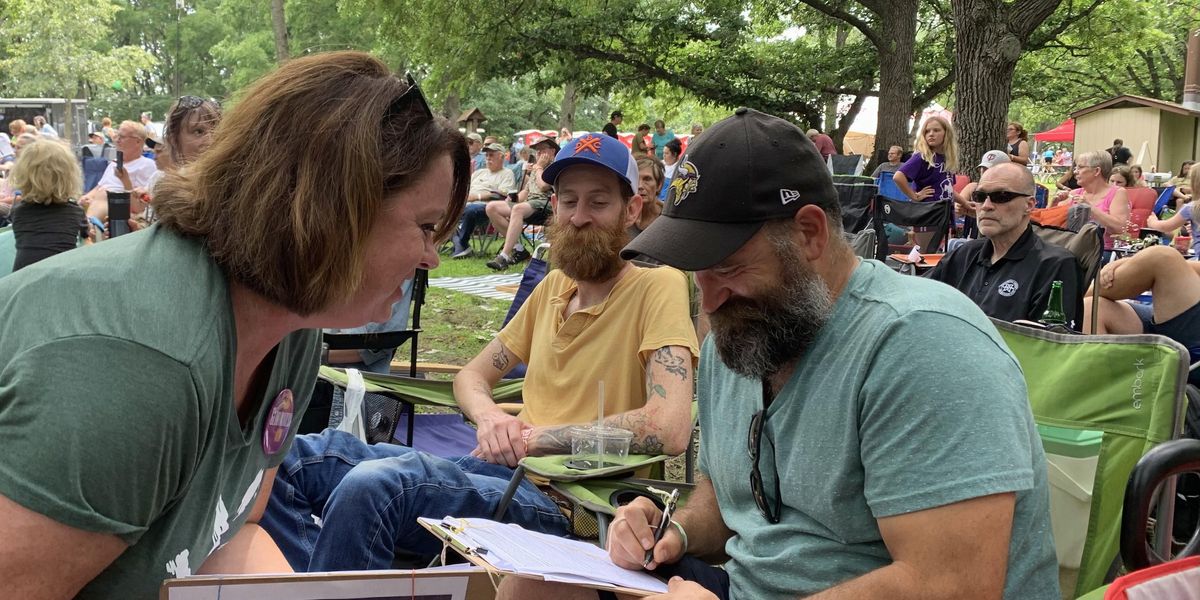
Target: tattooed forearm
{"x": 654, "y": 388}
{"x": 672, "y": 364}
{"x": 648, "y": 445}
{"x": 500, "y": 360}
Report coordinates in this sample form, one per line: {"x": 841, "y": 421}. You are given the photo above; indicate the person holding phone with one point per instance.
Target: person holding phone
{"x": 131, "y": 170}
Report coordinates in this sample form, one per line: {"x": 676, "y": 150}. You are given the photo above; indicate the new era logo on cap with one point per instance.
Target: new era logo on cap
{"x": 742, "y": 172}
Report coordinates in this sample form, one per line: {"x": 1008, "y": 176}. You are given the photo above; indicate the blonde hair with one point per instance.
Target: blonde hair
{"x": 16, "y": 127}
{"x": 949, "y": 144}
{"x": 293, "y": 226}
{"x": 138, "y": 129}
{"x": 47, "y": 173}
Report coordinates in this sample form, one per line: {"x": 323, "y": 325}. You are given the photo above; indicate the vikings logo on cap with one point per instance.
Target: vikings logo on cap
{"x": 687, "y": 179}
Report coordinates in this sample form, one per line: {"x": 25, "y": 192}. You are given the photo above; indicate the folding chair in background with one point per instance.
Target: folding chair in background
{"x": 937, "y": 216}
{"x": 1087, "y": 245}
{"x": 1100, "y": 403}
{"x": 326, "y": 406}
{"x": 854, "y": 196}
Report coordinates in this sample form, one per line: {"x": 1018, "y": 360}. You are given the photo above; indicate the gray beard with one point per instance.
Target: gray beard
{"x": 757, "y": 337}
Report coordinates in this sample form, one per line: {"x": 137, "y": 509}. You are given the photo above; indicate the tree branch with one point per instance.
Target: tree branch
{"x": 920, "y": 101}
{"x": 840, "y": 14}
{"x": 1045, "y": 37}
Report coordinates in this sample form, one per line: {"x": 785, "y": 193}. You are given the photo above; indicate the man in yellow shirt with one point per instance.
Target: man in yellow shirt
{"x": 339, "y": 504}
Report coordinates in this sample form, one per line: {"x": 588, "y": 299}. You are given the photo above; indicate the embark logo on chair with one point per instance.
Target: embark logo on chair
{"x": 1138, "y": 364}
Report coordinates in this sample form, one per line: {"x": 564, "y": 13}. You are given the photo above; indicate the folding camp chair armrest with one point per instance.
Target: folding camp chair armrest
{"x": 1160, "y": 463}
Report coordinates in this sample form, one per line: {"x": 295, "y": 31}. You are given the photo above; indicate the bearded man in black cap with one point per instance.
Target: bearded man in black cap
{"x": 831, "y": 466}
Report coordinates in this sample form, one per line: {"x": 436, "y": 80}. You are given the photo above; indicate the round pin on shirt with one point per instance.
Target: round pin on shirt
{"x": 279, "y": 421}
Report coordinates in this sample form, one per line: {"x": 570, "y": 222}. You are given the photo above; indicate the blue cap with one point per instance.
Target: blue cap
{"x": 595, "y": 149}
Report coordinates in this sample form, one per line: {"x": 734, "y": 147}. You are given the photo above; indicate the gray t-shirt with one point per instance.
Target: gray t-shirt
{"x": 868, "y": 428}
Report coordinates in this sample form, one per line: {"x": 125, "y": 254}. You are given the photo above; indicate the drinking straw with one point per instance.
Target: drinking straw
{"x": 600, "y": 409}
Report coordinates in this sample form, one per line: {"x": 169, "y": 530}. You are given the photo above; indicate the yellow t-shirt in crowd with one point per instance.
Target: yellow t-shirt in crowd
{"x": 611, "y": 342}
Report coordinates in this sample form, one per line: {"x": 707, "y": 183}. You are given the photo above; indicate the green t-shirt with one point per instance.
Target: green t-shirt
{"x": 116, "y": 403}
{"x": 907, "y": 400}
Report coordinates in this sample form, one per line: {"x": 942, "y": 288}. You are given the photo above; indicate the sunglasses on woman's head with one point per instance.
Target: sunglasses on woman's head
{"x": 191, "y": 102}
{"x": 997, "y": 197}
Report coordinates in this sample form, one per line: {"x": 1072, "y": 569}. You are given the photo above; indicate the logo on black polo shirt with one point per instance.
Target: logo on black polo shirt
{"x": 1008, "y": 288}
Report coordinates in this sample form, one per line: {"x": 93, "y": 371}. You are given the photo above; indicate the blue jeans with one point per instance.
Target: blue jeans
{"x": 473, "y": 215}
{"x": 368, "y": 498}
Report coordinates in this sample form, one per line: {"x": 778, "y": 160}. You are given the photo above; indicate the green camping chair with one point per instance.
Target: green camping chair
{"x": 1100, "y": 403}
{"x": 592, "y": 492}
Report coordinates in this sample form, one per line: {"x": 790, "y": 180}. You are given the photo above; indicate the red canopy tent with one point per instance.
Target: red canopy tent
{"x": 1065, "y": 132}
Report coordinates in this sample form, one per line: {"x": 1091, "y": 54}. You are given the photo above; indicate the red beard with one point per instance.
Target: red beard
{"x": 588, "y": 253}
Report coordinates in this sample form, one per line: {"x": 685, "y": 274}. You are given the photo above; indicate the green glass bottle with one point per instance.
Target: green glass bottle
{"x": 1054, "y": 314}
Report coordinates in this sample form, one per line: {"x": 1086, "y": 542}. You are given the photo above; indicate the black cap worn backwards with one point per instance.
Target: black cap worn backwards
{"x": 745, "y": 170}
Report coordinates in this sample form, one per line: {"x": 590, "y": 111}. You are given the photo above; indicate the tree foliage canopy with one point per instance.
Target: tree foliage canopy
{"x": 683, "y": 60}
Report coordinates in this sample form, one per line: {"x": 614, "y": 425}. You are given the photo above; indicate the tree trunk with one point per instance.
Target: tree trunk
{"x": 281, "y": 35}
{"x": 990, "y": 37}
{"x": 566, "y": 115}
{"x": 896, "y": 60}
{"x": 452, "y": 107}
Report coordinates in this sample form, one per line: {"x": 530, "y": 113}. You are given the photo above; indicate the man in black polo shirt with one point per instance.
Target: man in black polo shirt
{"x": 1009, "y": 271}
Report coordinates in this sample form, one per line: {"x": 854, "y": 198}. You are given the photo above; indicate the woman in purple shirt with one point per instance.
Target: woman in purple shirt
{"x": 929, "y": 173}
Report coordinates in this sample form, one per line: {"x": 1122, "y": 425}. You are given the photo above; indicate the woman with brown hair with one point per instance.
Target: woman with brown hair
{"x": 1017, "y": 143}
{"x": 189, "y": 128}
{"x": 200, "y": 359}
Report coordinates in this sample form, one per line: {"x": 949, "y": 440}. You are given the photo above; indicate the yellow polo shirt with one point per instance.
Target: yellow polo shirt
{"x": 611, "y": 342}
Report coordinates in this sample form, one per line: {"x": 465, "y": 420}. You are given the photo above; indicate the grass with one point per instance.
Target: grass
{"x": 456, "y": 326}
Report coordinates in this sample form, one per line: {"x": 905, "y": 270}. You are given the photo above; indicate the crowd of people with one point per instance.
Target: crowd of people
{"x": 156, "y": 431}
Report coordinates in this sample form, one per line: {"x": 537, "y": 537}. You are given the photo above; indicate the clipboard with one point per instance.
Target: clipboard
{"x": 478, "y": 557}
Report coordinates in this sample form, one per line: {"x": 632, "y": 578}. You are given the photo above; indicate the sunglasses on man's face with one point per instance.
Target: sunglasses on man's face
{"x": 997, "y": 197}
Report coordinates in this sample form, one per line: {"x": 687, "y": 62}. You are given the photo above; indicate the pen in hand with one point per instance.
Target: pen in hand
{"x": 662, "y": 525}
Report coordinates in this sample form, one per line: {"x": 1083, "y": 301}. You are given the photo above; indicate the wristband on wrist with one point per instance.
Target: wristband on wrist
{"x": 682, "y": 534}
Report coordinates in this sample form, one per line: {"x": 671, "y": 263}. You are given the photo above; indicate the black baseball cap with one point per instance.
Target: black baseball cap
{"x": 745, "y": 170}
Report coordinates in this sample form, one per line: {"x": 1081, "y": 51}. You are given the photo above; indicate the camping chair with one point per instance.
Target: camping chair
{"x": 590, "y": 489}
{"x": 1087, "y": 245}
{"x": 93, "y": 171}
{"x": 937, "y": 215}
{"x": 847, "y": 164}
{"x": 855, "y": 195}
{"x": 1147, "y": 564}
{"x": 1100, "y": 403}
{"x": 888, "y": 188}
{"x": 1141, "y": 205}
{"x": 440, "y": 434}
{"x": 1163, "y": 199}
{"x": 326, "y": 405}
